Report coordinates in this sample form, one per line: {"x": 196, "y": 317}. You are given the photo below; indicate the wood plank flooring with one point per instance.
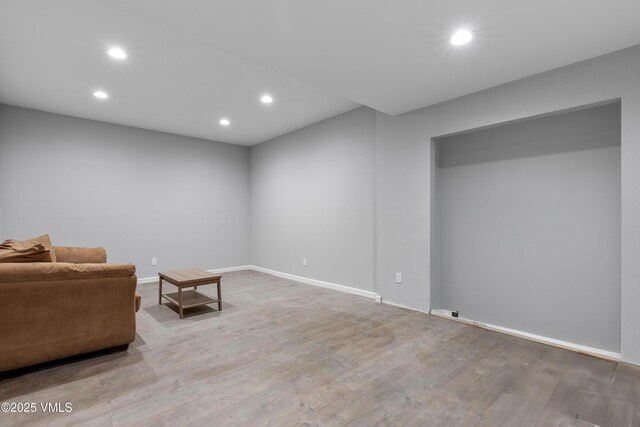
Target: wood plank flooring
{"x": 286, "y": 354}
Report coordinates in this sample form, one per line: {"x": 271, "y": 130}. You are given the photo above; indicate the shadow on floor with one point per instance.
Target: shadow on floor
{"x": 29, "y": 379}
{"x": 168, "y": 312}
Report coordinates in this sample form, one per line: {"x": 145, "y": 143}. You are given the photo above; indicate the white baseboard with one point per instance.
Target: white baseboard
{"x": 144, "y": 280}
{"x": 591, "y": 351}
{"x": 314, "y": 282}
{"x": 445, "y": 314}
{"x": 395, "y": 304}
{"x": 230, "y": 269}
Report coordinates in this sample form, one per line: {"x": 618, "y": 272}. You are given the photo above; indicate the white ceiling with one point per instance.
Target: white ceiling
{"x": 195, "y": 61}
{"x": 53, "y": 56}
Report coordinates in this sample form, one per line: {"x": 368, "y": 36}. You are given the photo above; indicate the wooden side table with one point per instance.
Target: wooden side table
{"x": 189, "y": 278}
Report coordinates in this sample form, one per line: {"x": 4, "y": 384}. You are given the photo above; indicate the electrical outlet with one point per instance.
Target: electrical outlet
{"x": 398, "y": 277}
{"x": 154, "y": 261}
{"x": 304, "y": 261}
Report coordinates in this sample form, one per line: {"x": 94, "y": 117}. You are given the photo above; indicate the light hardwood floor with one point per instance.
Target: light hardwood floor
{"x": 284, "y": 354}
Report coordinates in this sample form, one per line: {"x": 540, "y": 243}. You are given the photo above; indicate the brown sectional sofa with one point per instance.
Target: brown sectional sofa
{"x": 51, "y": 310}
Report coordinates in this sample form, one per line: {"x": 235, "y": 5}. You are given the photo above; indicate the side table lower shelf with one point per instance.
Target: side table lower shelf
{"x": 189, "y": 299}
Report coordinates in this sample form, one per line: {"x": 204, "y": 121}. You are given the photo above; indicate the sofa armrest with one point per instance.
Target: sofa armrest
{"x": 42, "y": 320}
{"x": 54, "y": 271}
{"x": 80, "y": 255}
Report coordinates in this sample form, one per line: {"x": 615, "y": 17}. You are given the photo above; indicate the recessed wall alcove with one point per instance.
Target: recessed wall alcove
{"x": 526, "y": 225}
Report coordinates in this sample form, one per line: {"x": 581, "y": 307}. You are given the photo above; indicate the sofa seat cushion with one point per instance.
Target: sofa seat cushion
{"x": 48, "y": 271}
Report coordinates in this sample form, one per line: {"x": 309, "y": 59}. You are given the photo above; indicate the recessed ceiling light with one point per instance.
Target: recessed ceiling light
{"x": 117, "y": 53}
{"x": 225, "y": 122}
{"x": 101, "y": 94}
{"x": 461, "y": 37}
{"x": 266, "y": 99}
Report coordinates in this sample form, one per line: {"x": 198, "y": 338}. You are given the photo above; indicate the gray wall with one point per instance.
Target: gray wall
{"x": 313, "y": 196}
{"x": 403, "y": 171}
{"x": 138, "y": 193}
{"x": 380, "y": 220}
{"x": 529, "y": 226}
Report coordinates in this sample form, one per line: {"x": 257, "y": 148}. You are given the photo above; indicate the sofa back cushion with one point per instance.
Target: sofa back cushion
{"x": 80, "y": 255}
{"x": 24, "y": 251}
{"x": 50, "y": 271}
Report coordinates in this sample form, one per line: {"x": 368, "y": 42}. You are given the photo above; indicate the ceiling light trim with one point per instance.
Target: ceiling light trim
{"x": 461, "y": 37}
{"x": 117, "y": 53}
{"x": 100, "y": 94}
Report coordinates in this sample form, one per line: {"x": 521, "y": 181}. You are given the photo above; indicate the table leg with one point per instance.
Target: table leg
{"x": 180, "y": 302}
{"x": 219, "y": 295}
{"x": 160, "y": 290}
